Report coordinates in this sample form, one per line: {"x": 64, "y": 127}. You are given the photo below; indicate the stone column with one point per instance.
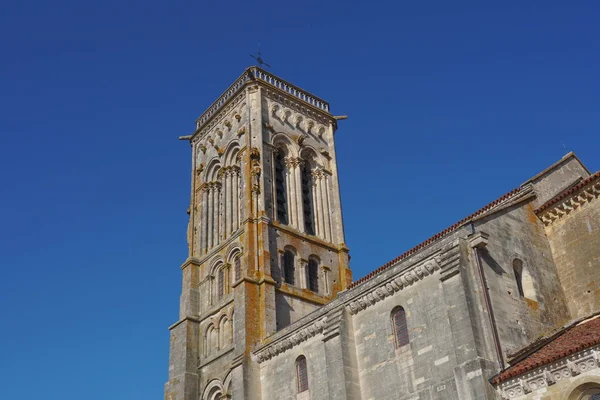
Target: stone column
{"x": 236, "y": 198}
{"x": 204, "y": 220}
{"x": 326, "y": 207}
{"x": 303, "y": 272}
{"x": 220, "y": 211}
{"x": 299, "y": 202}
{"x": 228, "y": 202}
{"x": 290, "y": 195}
{"x": 319, "y": 204}
{"x": 315, "y": 200}
{"x": 211, "y": 215}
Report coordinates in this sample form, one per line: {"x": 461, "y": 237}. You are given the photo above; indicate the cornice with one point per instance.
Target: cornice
{"x": 286, "y": 103}
{"x": 326, "y": 319}
{"x": 273, "y": 84}
{"x": 184, "y": 319}
{"x": 445, "y": 260}
{"x": 582, "y": 362}
{"x": 309, "y": 238}
{"x": 571, "y": 200}
{"x": 295, "y": 337}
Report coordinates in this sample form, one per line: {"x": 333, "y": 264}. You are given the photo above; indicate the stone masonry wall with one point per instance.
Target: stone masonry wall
{"x": 516, "y": 233}
{"x": 575, "y": 243}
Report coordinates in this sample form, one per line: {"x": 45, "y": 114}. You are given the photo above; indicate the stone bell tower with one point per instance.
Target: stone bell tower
{"x": 266, "y": 238}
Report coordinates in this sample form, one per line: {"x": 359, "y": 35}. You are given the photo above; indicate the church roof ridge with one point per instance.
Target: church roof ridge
{"x": 254, "y": 74}
{"x": 439, "y": 235}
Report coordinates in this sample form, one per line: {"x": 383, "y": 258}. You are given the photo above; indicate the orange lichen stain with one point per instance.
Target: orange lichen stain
{"x": 532, "y": 304}
{"x": 532, "y": 217}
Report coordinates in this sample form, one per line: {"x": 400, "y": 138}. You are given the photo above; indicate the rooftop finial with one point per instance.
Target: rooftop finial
{"x": 258, "y": 58}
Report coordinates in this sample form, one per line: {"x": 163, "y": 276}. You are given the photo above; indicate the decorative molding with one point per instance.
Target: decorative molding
{"x": 288, "y": 105}
{"x": 228, "y": 99}
{"x": 232, "y": 109}
{"x": 569, "y": 203}
{"x": 284, "y": 343}
{"x": 547, "y": 375}
{"x": 388, "y": 288}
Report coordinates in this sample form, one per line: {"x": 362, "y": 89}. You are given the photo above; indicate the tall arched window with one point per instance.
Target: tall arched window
{"x": 518, "y": 269}
{"x": 524, "y": 280}
{"x": 399, "y": 327}
{"x": 280, "y": 189}
{"x": 313, "y": 275}
{"x": 307, "y": 200}
{"x": 289, "y": 268}
{"x": 221, "y": 282}
{"x": 301, "y": 374}
{"x": 238, "y": 267}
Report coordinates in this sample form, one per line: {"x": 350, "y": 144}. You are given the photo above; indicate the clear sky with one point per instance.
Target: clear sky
{"x": 450, "y": 104}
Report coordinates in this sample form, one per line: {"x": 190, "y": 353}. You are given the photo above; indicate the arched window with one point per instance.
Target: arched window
{"x": 280, "y": 189}
{"x": 313, "y": 275}
{"x": 289, "y": 268}
{"x": 307, "y": 200}
{"x": 518, "y": 269}
{"x": 301, "y": 374}
{"x": 524, "y": 280}
{"x": 587, "y": 391}
{"x": 399, "y": 327}
{"x": 221, "y": 282}
{"x": 238, "y": 267}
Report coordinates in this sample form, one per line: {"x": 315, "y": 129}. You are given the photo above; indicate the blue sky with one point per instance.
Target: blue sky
{"x": 450, "y": 104}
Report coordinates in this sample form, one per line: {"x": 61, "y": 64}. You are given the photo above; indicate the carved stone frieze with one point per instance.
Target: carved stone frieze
{"x": 570, "y": 203}
{"x": 296, "y": 106}
{"x": 232, "y": 110}
{"x": 550, "y": 374}
{"x": 385, "y": 289}
{"x": 281, "y": 345}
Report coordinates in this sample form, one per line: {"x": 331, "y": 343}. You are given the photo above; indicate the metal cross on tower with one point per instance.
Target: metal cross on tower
{"x": 258, "y": 58}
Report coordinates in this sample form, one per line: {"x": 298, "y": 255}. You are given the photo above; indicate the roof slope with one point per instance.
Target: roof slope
{"x": 508, "y": 196}
{"x": 567, "y": 192}
{"x": 572, "y": 339}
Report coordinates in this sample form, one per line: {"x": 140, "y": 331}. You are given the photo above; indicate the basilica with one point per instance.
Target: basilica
{"x": 503, "y": 304}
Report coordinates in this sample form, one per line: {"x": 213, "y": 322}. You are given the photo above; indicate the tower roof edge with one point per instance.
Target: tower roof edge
{"x": 257, "y": 74}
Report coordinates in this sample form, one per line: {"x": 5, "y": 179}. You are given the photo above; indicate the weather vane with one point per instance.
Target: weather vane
{"x": 258, "y": 58}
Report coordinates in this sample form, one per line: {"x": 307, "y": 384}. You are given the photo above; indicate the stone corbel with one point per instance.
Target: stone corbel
{"x": 524, "y": 386}
{"x": 274, "y": 110}
{"x": 202, "y": 148}
{"x": 479, "y": 240}
{"x": 241, "y": 131}
{"x": 300, "y": 139}
{"x": 502, "y": 393}
{"x": 309, "y": 126}
{"x": 219, "y": 133}
{"x": 227, "y": 123}
{"x": 549, "y": 378}
{"x": 238, "y": 117}
{"x": 321, "y": 131}
{"x": 574, "y": 368}
{"x": 596, "y": 357}
{"x": 298, "y": 121}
